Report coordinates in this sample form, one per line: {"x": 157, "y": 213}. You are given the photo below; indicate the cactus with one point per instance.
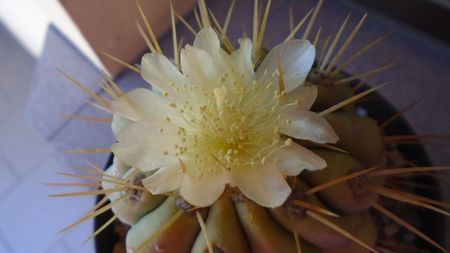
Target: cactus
{"x": 321, "y": 167}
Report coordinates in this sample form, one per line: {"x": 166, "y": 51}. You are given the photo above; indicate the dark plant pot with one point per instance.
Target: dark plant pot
{"x": 380, "y": 109}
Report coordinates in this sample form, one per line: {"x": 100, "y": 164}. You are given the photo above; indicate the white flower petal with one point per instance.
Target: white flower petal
{"x": 305, "y": 96}
{"x": 118, "y": 123}
{"x": 121, "y": 167}
{"x": 242, "y": 59}
{"x": 142, "y": 145}
{"x": 293, "y": 159}
{"x": 307, "y": 125}
{"x": 207, "y": 40}
{"x": 139, "y": 104}
{"x": 112, "y": 171}
{"x": 159, "y": 71}
{"x": 296, "y": 58}
{"x": 164, "y": 180}
{"x": 203, "y": 191}
{"x": 265, "y": 185}
{"x": 199, "y": 67}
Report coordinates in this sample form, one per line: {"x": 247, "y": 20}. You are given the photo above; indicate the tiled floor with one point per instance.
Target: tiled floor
{"x": 29, "y": 220}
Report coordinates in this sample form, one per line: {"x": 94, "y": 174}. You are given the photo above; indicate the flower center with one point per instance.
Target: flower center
{"x": 235, "y": 125}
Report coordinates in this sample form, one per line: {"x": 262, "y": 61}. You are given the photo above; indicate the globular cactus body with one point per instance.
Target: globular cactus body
{"x": 226, "y": 180}
{"x": 235, "y": 224}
